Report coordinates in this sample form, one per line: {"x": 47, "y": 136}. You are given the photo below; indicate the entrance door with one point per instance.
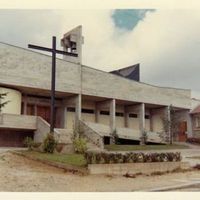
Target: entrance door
{"x": 44, "y": 112}
{"x": 30, "y": 109}
{"x": 182, "y": 131}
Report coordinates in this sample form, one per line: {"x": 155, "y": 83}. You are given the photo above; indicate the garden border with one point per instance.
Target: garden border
{"x": 67, "y": 167}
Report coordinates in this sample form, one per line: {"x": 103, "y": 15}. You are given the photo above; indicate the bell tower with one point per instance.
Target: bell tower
{"x": 72, "y": 42}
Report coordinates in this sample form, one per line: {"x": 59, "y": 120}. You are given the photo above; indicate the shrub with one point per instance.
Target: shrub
{"x": 80, "y": 145}
{"x": 193, "y": 140}
{"x": 131, "y": 157}
{"x": 49, "y": 143}
{"x": 28, "y": 142}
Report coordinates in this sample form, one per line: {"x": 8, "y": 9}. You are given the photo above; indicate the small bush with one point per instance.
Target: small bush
{"x": 80, "y": 145}
{"x": 49, "y": 143}
{"x": 28, "y": 142}
{"x": 193, "y": 140}
{"x": 106, "y": 158}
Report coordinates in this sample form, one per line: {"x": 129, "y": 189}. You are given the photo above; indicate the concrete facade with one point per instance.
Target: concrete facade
{"x": 85, "y": 94}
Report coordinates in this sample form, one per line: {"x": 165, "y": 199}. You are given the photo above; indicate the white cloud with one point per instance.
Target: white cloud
{"x": 166, "y": 42}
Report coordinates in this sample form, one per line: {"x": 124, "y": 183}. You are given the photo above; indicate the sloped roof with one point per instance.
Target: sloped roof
{"x": 131, "y": 72}
{"x": 196, "y": 110}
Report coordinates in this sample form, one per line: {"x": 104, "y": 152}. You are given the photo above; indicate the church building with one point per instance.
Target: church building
{"x": 101, "y": 103}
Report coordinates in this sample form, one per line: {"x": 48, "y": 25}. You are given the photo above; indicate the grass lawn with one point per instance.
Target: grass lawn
{"x": 114, "y": 147}
{"x": 72, "y": 159}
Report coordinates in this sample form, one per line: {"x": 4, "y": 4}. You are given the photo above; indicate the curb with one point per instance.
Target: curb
{"x": 66, "y": 167}
{"x": 175, "y": 187}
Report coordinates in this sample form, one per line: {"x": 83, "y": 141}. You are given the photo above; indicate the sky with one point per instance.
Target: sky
{"x": 166, "y": 43}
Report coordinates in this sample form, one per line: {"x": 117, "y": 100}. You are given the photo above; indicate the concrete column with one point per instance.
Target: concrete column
{"x": 25, "y": 105}
{"x": 63, "y": 116}
{"x": 35, "y": 110}
{"x": 97, "y": 113}
{"x": 151, "y": 119}
{"x": 168, "y": 117}
{"x": 77, "y": 108}
{"x": 189, "y": 125}
{"x": 141, "y": 115}
{"x": 112, "y": 115}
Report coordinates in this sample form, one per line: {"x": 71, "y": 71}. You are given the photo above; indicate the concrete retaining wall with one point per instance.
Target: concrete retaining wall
{"x": 133, "y": 168}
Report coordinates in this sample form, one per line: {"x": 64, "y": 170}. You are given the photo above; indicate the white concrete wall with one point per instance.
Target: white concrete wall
{"x": 88, "y": 117}
{"x": 15, "y": 98}
{"x": 104, "y": 119}
{"x": 157, "y": 123}
{"x": 96, "y": 83}
{"x": 147, "y": 124}
{"x": 69, "y": 120}
{"x": 29, "y": 69}
{"x": 120, "y": 122}
{"x": 134, "y": 123}
{"x": 157, "y": 120}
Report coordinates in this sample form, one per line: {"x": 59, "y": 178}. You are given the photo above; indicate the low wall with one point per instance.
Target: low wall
{"x": 133, "y": 168}
{"x": 14, "y": 121}
{"x": 43, "y": 128}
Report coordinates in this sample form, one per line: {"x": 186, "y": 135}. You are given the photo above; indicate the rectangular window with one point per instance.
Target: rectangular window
{"x": 197, "y": 121}
{"x": 104, "y": 112}
{"x": 90, "y": 111}
{"x": 131, "y": 115}
{"x": 147, "y": 117}
{"x": 119, "y": 114}
{"x": 70, "y": 109}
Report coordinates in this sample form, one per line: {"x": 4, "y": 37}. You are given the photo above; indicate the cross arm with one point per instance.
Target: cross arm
{"x": 31, "y": 46}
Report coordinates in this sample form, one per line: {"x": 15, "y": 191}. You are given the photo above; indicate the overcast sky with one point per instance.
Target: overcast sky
{"x": 166, "y": 43}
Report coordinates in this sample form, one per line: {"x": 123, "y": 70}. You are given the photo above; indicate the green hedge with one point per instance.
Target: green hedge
{"x": 106, "y": 158}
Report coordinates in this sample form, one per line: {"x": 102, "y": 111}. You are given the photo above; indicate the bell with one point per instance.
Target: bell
{"x": 73, "y": 46}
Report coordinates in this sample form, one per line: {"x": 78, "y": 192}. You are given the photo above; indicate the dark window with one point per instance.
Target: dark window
{"x": 147, "y": 117}
{"x": 87, "y": 111}
{"x": 131, "y": 115}
{"x": 119, "y": 114}
{"x": 70, "y": 109}
{"x": 104, "y": 112}
{"x": 106, "y": 140}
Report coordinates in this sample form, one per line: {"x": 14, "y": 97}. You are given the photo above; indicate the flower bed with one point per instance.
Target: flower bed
{"x": 131, "y": 157}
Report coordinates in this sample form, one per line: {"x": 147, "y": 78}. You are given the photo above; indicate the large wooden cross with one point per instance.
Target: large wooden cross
{"x": 54, "y": 51}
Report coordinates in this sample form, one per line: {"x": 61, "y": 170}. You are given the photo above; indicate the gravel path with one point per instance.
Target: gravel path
{"x": 20, "y": 174}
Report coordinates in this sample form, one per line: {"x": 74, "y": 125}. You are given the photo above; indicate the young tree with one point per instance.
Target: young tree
{"x": 2, "y": 103}
{"x": 170, "y": 125}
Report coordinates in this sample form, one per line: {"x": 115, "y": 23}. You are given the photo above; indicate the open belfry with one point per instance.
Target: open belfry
{"x": 101, "y": 104}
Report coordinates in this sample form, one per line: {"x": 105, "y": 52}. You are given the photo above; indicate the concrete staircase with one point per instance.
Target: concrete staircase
{"x": 94, "y": 139}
